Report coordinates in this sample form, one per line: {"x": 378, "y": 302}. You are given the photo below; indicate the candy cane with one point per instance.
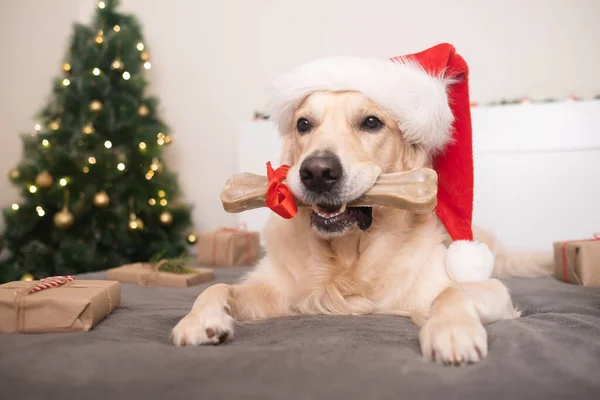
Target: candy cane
{"x": 51, "y": 282}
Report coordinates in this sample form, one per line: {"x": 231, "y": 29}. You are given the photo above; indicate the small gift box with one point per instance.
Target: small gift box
{"x": 228, "y": 247}
{"x": 578, "y": 261}
{"x": 57, "y": 304}
{"x": 168, "y": 273}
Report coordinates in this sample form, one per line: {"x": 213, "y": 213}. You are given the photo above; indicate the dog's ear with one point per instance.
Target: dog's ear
{"x": 412, "y": 156}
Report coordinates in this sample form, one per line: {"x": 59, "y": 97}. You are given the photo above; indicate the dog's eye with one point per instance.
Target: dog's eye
{"x": 303, "y": 125}
{"x": 371, "y": 123}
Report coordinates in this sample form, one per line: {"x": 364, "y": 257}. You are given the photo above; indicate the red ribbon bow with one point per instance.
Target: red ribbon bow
{"x": 279, "y": 197}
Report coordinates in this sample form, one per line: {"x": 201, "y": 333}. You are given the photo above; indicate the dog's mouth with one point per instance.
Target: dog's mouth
{"x": 336, "y": 219}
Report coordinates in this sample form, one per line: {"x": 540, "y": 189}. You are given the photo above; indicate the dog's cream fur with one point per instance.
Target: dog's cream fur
{"x": 395, "y": 267}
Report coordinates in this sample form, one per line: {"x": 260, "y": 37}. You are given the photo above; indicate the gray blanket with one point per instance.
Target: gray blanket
{"x": 552, "y": 352}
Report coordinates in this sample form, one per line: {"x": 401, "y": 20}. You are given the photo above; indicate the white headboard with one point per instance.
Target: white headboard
{"x": 537, "y": 170}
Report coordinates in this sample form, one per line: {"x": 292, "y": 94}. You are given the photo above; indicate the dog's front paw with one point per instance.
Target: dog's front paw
{"x": 453, "y": 341}
{"x": 211, "y": 325}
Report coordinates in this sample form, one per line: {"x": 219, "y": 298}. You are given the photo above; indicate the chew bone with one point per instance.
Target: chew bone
{"x": 414, "y": 190}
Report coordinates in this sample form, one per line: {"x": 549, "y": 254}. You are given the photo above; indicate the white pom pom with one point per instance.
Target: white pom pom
{"x": 469, "y": 261}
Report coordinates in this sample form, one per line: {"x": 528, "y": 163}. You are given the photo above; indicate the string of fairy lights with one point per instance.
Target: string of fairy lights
{"x": 44, "y": 180}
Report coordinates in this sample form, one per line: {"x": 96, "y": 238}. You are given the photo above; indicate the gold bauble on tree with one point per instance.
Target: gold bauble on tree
{"x": 116, "y": 64}
{"x": 144, "y": 56}
{"x": 54, "y": 125}
{"x": 96, "y": 105}
{"x": 14, "y": 174}
{"x": 27, "y": 277}
{"x": 191, "y": 239}
{"x": 136, "y": 224}
{"x": 87, "y": 129}
{"x": 99, "y": 37}
{"x": 66, "y": 67}
{"x": 166, "y": 218}
{"x": 156, "y": 166}
{"x": 64, "y": 219}
{"x": 44, "y": 180}
{"x": 143, "y": 110}
{"x": 101, "y": 199}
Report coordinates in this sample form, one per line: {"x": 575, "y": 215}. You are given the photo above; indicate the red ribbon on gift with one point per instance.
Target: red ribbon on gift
{"x": 279, "y": 198}
{"x": 564, "y": 253}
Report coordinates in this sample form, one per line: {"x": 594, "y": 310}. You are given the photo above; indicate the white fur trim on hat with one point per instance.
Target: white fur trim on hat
{"x": 469, "y": 261}
{"x": 415, "y": 99}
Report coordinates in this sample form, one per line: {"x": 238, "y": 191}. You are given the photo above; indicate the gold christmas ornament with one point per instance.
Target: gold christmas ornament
{"x": 87, "y": 129}
{"x": 63, "y": 219}
{"x": 143, "y": 110}
{"x": 136, "y": 224}
{"x": 14, "y": 174}
{"x": 44, "y": 180}
{"x": 99, "y": 37}
{"x": 96, "y": 105}
{"x": 168, "y": 139}
{"x": 156, "y": 166}
{"x": 66, "y": 67}
{"x": 144, "y": 56}
{"x": 166, "y": 218}
{"x": 116, "y": 64}
{"x": 101, "y": 199}
{"x": 54, "y": 125}
{"x": 191, "y": 239}
{"x": 27, "y": 277}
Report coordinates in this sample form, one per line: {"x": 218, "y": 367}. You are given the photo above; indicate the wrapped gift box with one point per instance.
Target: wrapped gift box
{"x": 145, "y": 274}
{"x": 75, "y": 306}
{"x": 228, "y": 247}
{"x": 578, "y": 262}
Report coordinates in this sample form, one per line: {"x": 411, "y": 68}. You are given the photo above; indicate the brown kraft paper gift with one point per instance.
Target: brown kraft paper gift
{"x": 76, "y": 306}
{"x": 578, "y": 261}
{"x": 145, "y": 275}
{"x": 228, "y": 247}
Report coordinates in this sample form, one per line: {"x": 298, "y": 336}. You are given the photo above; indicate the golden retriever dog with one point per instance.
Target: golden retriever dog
{"x": 337, "y": 260}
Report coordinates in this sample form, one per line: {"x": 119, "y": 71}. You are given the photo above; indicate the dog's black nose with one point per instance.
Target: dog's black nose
{"x": 320, "y": 173}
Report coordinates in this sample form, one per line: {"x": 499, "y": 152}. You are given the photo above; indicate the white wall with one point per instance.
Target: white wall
{"x": 212, "y": 60}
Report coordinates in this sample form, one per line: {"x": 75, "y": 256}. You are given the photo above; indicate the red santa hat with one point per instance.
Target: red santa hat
{"x": 427, "y": 93}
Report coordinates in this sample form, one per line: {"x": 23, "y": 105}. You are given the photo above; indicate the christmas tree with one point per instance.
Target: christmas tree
{"x": 95, "y": 193}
